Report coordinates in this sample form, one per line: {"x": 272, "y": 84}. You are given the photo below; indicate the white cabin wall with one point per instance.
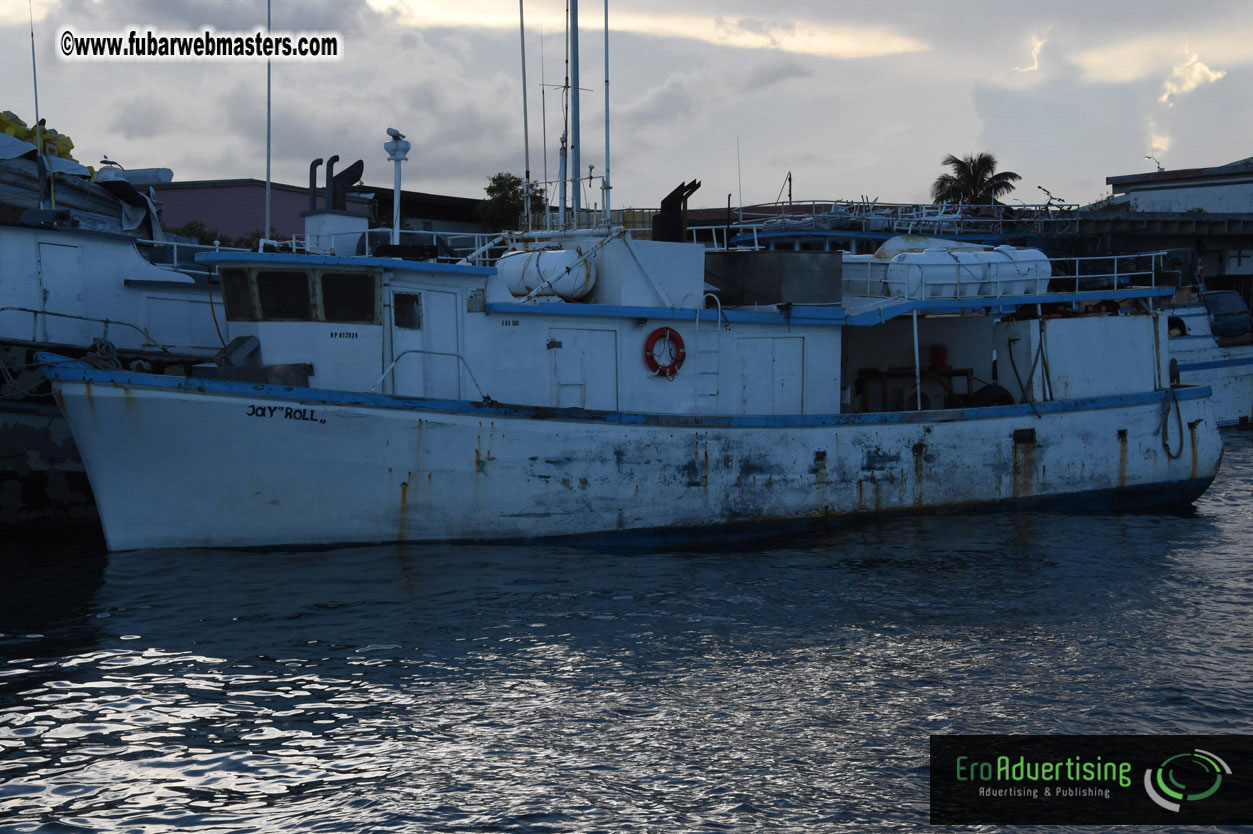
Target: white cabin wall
{"x": 339, "y": 353}
{"x": 1093, "y": 356}
{"x": 564, "y": 360}
{"x": 650, "y": 273}
{"x": 19, "y": 285}
{"x": 1161, "y": 321}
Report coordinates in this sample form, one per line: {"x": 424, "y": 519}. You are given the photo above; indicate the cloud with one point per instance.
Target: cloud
{"x": 797, "y": 36}
{"x": 771, "y": 73}
{"x": 1187, "y": 76}
{"x": 1036, "y": 45}
{"x": 1150, "y": 55}
{"x": 1159, "y": 141}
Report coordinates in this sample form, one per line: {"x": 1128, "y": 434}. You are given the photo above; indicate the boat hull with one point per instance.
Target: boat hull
{"x": 1228, "y": 372}
{"x": 177, "y": 463}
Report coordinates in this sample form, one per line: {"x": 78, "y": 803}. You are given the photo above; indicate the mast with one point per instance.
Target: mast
{"x": 526, "y": 130}
{"x": 605, "y": 186}
{"x": 561, "y": 175}
{"x": 575, "y": 166}
{"x": 265, "y": 235}
{"x": 543, "y": 107}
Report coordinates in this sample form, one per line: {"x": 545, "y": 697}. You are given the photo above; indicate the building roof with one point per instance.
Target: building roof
{"x": 1211, "y": 176}
{"x": 232, "y": 183}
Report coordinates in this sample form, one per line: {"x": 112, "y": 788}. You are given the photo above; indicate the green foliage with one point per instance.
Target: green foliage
{"x": 503, "y": 207}
{"x": 974, "y": 180}
{"x": 197, "y": 231}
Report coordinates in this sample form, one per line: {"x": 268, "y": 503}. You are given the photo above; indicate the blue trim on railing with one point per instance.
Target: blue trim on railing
{"x": 799, "y": 314}
{"x": 287, "y": 258}
{"x": 66, "y": 370}
{"x": 826, "y": 314}
{"x": 1217, "y": 363}
{"x": 955, "y": 305}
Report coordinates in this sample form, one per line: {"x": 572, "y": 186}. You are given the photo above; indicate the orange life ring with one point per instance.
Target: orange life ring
{"x": 675, "y": 350}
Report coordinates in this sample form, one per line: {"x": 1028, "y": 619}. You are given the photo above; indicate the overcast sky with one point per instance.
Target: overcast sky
{"x": 854, "y": 97}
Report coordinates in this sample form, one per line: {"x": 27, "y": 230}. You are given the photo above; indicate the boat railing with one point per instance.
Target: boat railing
{"x": 872, "y": 278}
{"x": 893, "y": 218}
{"x": 418, "y": 351}
{"x": 475, "y": 248}
{"x": 34, "y": 313}
{"x": 180, "y": 255}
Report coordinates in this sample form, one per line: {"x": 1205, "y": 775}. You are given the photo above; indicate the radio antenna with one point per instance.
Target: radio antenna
{"x": 34, "y": 77}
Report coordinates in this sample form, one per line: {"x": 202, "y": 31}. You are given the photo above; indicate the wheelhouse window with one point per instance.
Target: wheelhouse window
{"x": 237, "y": 295}
{"x": 284, "y": 296}
{"x": 407, "y": 310}
{"x": 348, "y": 297}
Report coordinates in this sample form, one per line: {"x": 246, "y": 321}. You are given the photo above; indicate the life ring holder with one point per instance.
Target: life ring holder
{"x": 677, "y": 352}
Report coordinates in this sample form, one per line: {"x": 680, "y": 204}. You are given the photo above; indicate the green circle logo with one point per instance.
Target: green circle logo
{"x": 1185, "y": 777}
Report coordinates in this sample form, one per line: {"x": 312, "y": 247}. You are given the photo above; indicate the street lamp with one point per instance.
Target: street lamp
{"x": 1159, "y": 165}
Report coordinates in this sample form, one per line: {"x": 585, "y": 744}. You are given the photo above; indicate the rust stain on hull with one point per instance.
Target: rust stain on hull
{"x": 1192, "y": 435}
{"x": 1122, "y": 458}
{"x": 919, "y": 450}
{"x": 1024, "y": 469}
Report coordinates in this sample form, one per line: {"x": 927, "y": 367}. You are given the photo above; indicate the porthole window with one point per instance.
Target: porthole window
{"x": 284, "y": 296}
{"x": 348, "y": 297}
{"x": 407, "y": 310}
{"x": 237, "y": 295}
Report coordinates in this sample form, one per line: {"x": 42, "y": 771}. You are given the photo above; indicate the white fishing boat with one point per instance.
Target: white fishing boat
{"x": 1211, "y": 345}
{"x": 589, "y": 385}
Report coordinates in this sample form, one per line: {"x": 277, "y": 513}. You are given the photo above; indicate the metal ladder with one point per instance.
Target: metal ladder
{"x": 707, "y": 390}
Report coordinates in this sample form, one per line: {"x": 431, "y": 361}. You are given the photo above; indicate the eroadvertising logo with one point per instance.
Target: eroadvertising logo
{"x": 1091, "y": 780}
{"x": 1194, "y": 776}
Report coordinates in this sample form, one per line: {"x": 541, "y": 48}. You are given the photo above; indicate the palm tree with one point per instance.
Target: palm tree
{"x": 974, "y": 180}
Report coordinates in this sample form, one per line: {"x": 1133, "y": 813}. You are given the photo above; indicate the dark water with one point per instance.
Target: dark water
{"x": 788, "y": 687}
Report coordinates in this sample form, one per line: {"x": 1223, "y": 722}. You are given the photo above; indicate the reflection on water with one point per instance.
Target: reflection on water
{"x": 790, "y": 687}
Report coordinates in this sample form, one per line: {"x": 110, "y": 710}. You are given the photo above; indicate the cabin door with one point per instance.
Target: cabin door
{"x": 424, "y": 343}
{"x": 584, "y": 368}
{"x": 771, "y": 374}
{"x": 64, "y": 291}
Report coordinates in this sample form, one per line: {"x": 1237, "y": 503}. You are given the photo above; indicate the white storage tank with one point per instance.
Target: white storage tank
{"x": 572, "y": 279}
{"x": 936, "y": 273}
{"x": 1020, "y": 271}
{"x": 950, "y": 273}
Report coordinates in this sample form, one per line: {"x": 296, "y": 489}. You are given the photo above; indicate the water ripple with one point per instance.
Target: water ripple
{"x": 790, "y": 687}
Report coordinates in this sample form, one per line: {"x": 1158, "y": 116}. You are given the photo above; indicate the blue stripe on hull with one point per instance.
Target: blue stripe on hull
{"x": 60, "y": 369}
{"x": 1184, "y": 367}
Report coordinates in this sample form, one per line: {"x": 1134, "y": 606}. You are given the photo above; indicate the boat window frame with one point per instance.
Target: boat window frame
{"x": 421, "y": 309}
{"x": 249, "y": 292}
{"x": 257, "y": 272}
{"x": 375, "y": 288}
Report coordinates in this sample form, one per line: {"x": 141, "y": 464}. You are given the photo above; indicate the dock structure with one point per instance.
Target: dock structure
{"x": 1222, "y": 241}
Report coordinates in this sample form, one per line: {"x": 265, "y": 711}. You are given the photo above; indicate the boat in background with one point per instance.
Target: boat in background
{"x": 1211, "y": 344}
{"x": 82, "y": 293}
